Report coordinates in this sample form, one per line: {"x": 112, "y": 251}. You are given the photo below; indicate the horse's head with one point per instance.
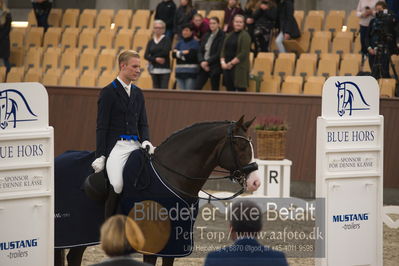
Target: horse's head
{"x": 341, "y": 97}
{"x": 237, "y": 155}
{"x": 3, "y": 111}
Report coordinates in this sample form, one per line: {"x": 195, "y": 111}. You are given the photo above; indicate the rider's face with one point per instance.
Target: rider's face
{"x": 131, "y": 69}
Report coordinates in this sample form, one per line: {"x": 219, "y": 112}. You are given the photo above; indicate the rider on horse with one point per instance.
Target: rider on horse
{"x": 121, "y": 125}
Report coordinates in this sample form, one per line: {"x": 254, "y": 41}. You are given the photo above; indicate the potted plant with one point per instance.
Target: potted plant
{"x": 210, "y": 5}
{"x": 271, "y": 136}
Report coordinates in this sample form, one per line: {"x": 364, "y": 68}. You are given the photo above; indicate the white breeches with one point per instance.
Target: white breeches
{"x": 117, "y": 160}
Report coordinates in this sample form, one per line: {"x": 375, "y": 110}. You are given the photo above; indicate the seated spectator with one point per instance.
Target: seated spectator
{"x": 233, "y": 8}
{"x": 5, "y": 28}
{"x": 246, "y": 222}
{"x": 157, "y": 54}
{"x": 117, "y": 244}
{"x": 186, "y": 54}
{"x": 209, "y": 56}
{"x": 166, "y": 11}
{"x": 200, "y": 26}
{"x": 234, "y": 58}
{"x": 184, "y": 15}
{"x": 265, "y": 20}
{"x": 287, "y": 24}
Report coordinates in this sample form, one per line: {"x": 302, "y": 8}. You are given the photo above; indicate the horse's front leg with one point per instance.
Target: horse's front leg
{"x": 59, "y": 257}
{"x": 75, "y": 256}
{"x": 151, "y": 259}
{"x": 167, "y": 261}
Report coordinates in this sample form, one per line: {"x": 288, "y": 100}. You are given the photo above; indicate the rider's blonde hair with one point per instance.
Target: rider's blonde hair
{"x": 126, "y": 55}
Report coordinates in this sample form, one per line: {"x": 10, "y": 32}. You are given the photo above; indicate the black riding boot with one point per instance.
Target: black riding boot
{"x": 111, "y": 203}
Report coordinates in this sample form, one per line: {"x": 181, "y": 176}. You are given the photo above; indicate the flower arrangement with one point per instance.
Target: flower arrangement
{"x": 271, "y": 137}
{"x": 271, "y": 123}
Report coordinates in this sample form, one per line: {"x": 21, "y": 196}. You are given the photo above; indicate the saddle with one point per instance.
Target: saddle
{"x": 96, "y": 186}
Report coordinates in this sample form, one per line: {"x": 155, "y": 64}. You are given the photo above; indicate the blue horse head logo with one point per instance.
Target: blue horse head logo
{"x": 10, "y": 101}
{"x": 346, "y": 98}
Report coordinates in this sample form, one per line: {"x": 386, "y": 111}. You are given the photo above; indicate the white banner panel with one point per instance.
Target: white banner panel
{"x": 349, "y": 170}
{"x": 26, "y": 176}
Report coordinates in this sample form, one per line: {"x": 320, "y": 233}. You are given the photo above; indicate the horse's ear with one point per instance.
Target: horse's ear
{"x": 247, "y": 124}
{"x": 240, "y": 122}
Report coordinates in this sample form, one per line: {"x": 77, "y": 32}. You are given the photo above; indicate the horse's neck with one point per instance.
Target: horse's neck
{"x": 191, "y": 153}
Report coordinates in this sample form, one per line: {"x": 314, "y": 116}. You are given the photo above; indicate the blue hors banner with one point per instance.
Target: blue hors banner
{"x": 26, "y": 176}
{"x": 349, "y": 170}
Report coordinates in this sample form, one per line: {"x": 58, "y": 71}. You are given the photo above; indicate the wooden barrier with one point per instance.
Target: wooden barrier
{"x": 73, "y": 116}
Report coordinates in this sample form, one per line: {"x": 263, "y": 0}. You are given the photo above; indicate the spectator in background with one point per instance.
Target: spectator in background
{"x": 364, "y": 11}
{"x": 380, "y": 46}
{"x": 183, "y": 16}
{"x": 200, "y": 26}
{"x": 265, "y": 18}
{"x": 5, "y": 28}
{"x": 235, "y": 56}
{"x": 393, "y": 5}
{"x": 157, "y": 54}
{"x": 233, "y": 8}
{"x": 42, "y": 10}
{"x": 209, "y": 56}
{"x": 166, "y": 11}
{"x": 120, "y": 235}
{"x": 186, "y": 54}
{"x": 249, "y": 10}
{"x": 287, "y": 24}
{"x": 245, "y": 223}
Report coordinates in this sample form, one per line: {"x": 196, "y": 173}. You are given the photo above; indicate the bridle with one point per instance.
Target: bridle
{"x": 237, "y": 175}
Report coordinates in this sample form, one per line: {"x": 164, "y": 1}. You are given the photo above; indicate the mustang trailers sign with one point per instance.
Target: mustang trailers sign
{"x": 349, "y": 170}
{"x": 26, "y": 176}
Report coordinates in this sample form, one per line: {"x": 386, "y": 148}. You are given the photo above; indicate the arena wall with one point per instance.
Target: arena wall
{"x": 73, "y": 116}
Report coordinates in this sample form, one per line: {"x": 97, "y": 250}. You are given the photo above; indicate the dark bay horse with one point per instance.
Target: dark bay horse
{"x": 187, "y": 158}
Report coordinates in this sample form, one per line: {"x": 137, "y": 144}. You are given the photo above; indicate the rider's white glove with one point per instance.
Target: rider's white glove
{"x": 146, "y": 144}
{"x": 98, "y": 164}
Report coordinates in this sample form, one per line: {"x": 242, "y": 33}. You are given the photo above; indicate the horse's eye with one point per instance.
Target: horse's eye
{"x": 3, "y": 106}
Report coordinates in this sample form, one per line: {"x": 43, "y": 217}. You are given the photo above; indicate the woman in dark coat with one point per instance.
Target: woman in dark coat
{"x": 209, "y": 56}
{"x": 157, "y": 55}
{"x": 5, "y": 28}
{"x": 288, "y": 27}
{"x": 184, "y": 15}
{"x": 235, "y": 56}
